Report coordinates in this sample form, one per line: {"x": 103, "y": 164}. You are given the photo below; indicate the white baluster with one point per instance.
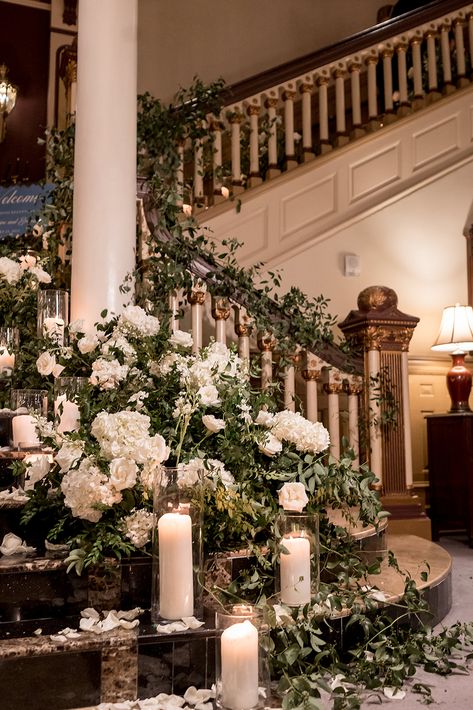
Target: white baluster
{"x": 432, "y": 66}
{"x": 354, "y": 69}
{"x": 418, "y": 101}
{"x": 220, "y": 313}
{"x": 460, "y": 51}
{"x": 266, "y": 344}
{"x": 339, "y": 74}
{"x": 388, "y": 84}
{"x": 243, "y": 329}
{"x": 311, "y": 371}
{"x": 254, "y": 177}
{"x": 196, "y": 298}
{"x": 446, "y": 63}
{"x": 290, "y": 388}
{"x": 235, "y": 121}
{"x": 333, "y": 389}
{"x": 376, "y": 454}
{"x": 404, "y": 105}
{"x": 288, "y": 98}
{"x": 306, "y": 89}
{"x": 216, "y": 128}
{"x": 273, "y": 170}
{"x": 180, "y": 175}
{"x": 371, "y": 63}
{"x": 354, "y": 390}
{"x": 199, "y": 173}
{"x": 174, "y": 311}
{"x": 325, "y": 145}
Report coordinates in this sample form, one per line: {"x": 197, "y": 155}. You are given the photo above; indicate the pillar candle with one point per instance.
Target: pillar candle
{"x": 239, "y": 657}
{"x": 295, "y": 571}
{"x": 7, "y": 362}
{"x": 24, "y": 430}
{"x": 54, "y": 328}
{"x": 69, "y": 419}
{"x": 176, "y": 588}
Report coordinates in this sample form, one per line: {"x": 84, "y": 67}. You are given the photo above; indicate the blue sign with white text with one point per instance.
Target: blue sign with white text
{"x": 19, "y": 207}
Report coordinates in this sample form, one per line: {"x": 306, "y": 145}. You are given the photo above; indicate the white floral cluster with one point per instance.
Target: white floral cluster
{"x": 12, "y": 271}
{"x": 307, "y": 437}
{"x": 135, "y": 321}
{"x": 125, "y": 443}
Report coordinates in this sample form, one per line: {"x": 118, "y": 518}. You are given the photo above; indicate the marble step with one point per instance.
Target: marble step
{"x": 122, "y": 665}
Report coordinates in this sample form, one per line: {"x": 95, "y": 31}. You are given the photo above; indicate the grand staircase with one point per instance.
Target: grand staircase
{"x": 354, "y": 154}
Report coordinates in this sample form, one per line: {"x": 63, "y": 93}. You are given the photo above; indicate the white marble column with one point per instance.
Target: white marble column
{"x": 104, "y": 218}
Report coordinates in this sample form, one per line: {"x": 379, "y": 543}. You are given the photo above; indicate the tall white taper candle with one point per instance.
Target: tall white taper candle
{"x": 176, "y": 589}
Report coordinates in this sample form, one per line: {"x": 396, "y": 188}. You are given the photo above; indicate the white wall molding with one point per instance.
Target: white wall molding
{"x": 316, "y": 200}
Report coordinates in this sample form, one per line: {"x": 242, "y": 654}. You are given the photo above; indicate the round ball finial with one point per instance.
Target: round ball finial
{"x": 377, "y": 298}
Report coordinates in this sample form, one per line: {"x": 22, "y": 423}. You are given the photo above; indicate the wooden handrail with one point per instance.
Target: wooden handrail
{"x": 355, "y": 43}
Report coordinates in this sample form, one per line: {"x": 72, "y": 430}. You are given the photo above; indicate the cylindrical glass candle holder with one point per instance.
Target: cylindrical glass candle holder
{"x": 66, "y": 409}
{"x": 53, "y": 314}
{"x": 177, "y": 545}
{"x": 26, "y": 405}
{"x": 299, "y": 556}
{"x": 9, "y": 341}
{"x": 242, "y": 664}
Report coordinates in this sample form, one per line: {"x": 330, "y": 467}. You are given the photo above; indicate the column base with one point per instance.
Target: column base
{"x": 357, "y": 132}
{"x": 218, "y": 198}
{"x": 341, "y": 140}
{"x": 404, "y": 110}
{"x": 254, "y": 181}
{"x": 237, "y": 189}
{"x": 389, "y": 117}
{"x": 433, "y": 96}
{"x": 308, "y": 155}
{"x": 291, "y": 163}
{"x": 418, "y": 102}
{"x": 462, "y": 82}
{"x": 374, "y": 124}
{"x": 325, "y": 147}
{"x": 272, "y": 173}
{"x": 448, "y": 89}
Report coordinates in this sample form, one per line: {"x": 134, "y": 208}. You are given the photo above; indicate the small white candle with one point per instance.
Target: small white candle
{"x": 24, "y": 430}
{"x": 239, "y": 656}
{"x": 54, "y": 328}
{"x": 176, "y": 585}
{"x": 295, "y": 571}
{"x": 7, "y": 362}
{"x": 69, "y": 419}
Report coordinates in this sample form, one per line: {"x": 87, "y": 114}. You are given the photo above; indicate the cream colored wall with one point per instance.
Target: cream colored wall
{"x": 414, "y": 245}
{"x": 181, "y": 39}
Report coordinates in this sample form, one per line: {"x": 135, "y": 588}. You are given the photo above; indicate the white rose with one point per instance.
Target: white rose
{"x": 46, "y": 363}
{"x": 264, "y": 418}
{"x": 9, "y": 269}
{"x": 68, "y": 455}
{"x": 88, "y": 343}
{"x": 180, "y": 337}
{"x": 57, "y": 369}
{"x": 42, "y": 276}
{"x": 208, "y": 395}
{"x": 123, "y": 473}
{"x": 292, "y": 496}
{"x": 37, "y": 468}
{"x": 212, "y": 423}
{"x": 27, "y": 261}
{"x": 270, "y": 446}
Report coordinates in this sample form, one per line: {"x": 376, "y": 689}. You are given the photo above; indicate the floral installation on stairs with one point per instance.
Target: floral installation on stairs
{"x": 148, "y": 402}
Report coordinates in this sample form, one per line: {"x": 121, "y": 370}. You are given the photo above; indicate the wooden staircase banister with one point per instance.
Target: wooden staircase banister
{"x": 355, "y": 43}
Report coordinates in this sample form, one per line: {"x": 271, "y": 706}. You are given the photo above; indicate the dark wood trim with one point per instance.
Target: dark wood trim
{"x": 353, "y": 44}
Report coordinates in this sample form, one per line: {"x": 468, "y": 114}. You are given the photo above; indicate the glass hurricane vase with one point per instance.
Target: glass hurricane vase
{"x": 177, "y": 546}
{"x": 299, "y": 554}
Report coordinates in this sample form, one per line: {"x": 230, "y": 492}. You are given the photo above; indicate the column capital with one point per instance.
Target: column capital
{"x": 271, "y": 102}
{"x": 253, "y": 110}
{"x": 197, "y": 294}
{"x": 306, "y": 87}
{"x": 266, "y": 341}
{"x": 244, "y": 323}
{"x": 288, "y": 95}
{"x": 220, "y": 308}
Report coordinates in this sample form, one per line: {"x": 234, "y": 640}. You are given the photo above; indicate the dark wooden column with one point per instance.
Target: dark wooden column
{"x": 384, "y": 332}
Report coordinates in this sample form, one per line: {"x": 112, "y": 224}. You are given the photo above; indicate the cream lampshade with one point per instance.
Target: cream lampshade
{"x": 456, "y": 337}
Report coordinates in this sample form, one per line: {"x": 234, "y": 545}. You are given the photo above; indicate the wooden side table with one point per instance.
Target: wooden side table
{"x": 450, "y": 462}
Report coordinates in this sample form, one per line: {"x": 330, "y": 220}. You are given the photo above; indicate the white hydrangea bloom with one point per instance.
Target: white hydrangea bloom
{"x": 311, "y": 437}
{"x": 126, "y": 434}
{"x": 10, "y": 270}
{"x": 84, "y": 489}
{"x": 138, "y": 526}
{"x": 107, "y": 373}
{"x": 136, "y": 321}
{"x": 181, "y": 338}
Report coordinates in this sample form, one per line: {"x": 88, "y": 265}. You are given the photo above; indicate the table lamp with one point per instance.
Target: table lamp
{"x": 456, "y": 337}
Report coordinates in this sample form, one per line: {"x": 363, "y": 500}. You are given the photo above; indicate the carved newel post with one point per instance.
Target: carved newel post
{"x": 385, "y": 332}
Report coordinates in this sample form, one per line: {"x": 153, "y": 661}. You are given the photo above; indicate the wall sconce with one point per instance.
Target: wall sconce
{"x": 456, "y": 337}
{"x": 8, "y": 94}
